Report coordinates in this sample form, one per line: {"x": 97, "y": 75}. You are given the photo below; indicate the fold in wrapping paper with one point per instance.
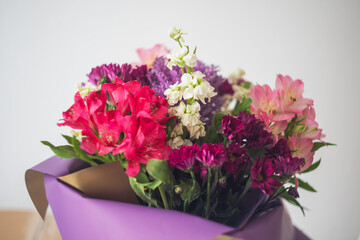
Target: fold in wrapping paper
{"x": 81, "y": 217}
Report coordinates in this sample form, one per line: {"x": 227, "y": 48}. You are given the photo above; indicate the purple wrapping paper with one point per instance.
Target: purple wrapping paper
{"x": 81, "y": 217}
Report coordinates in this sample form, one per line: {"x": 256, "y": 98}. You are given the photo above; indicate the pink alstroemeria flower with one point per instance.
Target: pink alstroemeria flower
{"x": 301, "y": 148}
{"x": 148, "y": 56}
{"x": 312, "y": 129}
{"x": 266, "y": 104}
{"x": 291, "y": 94}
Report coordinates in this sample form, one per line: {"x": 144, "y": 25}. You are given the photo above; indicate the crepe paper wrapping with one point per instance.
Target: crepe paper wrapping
{"x": 82, "y": 213}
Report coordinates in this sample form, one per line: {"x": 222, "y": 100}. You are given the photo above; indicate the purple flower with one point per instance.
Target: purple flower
{"x": 246, "y": 129}
{"x": 261, "y": 173}
{"x": 160, "y": 78}
{"x": 211, "y": 155}
{"x": 283, "y": 162}
{"x": 183, "y": 158}
{"x": 109, "y": 71}
{"x": 238, "y": 159}
{"x": 232, "y": 128}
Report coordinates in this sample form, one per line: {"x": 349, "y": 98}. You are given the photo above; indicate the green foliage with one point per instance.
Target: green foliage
{"x": 159, "y": 170}
{"x": 64, "y": 151}
{"x": 303, "y": 185}
{"x": 244, "y": 105}
{"x": 318, "y": 145}
{"x": 292, "y": 200}
{"x": 312, "y": 167}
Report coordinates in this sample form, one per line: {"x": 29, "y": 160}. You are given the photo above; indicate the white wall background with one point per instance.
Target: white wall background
{"x": 48, "y": 46}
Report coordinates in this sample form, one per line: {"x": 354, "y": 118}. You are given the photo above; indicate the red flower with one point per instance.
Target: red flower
{"x": 135, "y": 111}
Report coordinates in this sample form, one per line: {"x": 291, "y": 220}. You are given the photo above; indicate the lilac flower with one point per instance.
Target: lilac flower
{"x": 160, "y": 77}
{"x": 261, "y": 173}
{"x": 238, "y": 159}
{"x": 184, "y": 157}
{"x": 246, "y": 129}
{"x": 211, "y": 155}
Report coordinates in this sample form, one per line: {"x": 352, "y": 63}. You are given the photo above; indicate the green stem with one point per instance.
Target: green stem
{"x": 182, "y": 71}
{"x": 207, "y": 207}
{"x": 163, "y": 196}
{"x": 187, "y": 201}
{"x": 179, "y": 43}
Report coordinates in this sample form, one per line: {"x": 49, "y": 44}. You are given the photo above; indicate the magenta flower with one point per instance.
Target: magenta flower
{"x": 211, "y": 155}
{"x": 238, "y": 159}
{"x": 261, "y": 173}
{"x": 246, "y": 129}
{"x": 108, "y": 71}
{"x": 183, "y": 158}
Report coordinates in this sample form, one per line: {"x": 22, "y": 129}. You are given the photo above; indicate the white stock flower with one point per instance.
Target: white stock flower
{"x": 176, "y": 58}
{"x": 176, "y": 34}
{"x": 178, "y": 142}
{"x": 174, "y": 93}
{"x": 189, "y": 114}
{"x": 87, "y": 88}
{"x": 190, "y": 60}
{"x": 236, "y": 75}
{"x": 196, "y": 87}
{"x": 197, "y": 131}
{"x": 177, "y": 131}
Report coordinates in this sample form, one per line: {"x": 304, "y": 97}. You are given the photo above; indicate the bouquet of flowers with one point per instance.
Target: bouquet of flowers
{"x": 191, "y": 140}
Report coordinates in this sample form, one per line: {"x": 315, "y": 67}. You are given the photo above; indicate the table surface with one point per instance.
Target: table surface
{"x": 27, "y": 225}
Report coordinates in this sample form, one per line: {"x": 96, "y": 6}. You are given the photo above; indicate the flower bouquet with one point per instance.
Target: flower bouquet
{"x": 171, "y": 133}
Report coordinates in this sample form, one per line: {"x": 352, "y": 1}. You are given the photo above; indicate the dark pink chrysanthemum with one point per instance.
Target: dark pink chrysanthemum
{"x": 246, "y": 129}
{"x": 261, "y": 173}
{"x": 238, "y": 159}
{"x": 283, "y": 162}
{"x": 211, "y": 155}
{"x": 183, "y": 158}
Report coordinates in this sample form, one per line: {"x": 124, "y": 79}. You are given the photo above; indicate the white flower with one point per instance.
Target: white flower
{"x": 204, "y": 90}
{"x": 176, "y": 34}
{"x": 189, "y": 114}
{"x": 178, "y": 142}
{"x": 197, "y": 131}
{"x": 190, "y": 60}
{"x": 174, "y": 93}
{"x": 195, "y": 86}
{"x": 198, "y": 75}
{"x": 87, "y": 88}
{"x": 236, "y": 75}
{"x": 176, "y": 58}
{"x": 177, "y": 131}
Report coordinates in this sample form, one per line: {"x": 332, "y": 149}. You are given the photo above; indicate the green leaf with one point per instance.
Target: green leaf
{"x": 243, "y": 106}
{"x": 140, "y": 192}
{"x": 303, "y": 185}
{"x": 80, "y": 152}
{"x": 65, "y": 151}
{"x": 217, "y": 119}
{"x": 68, "y": 139}
{"x": 293, "y": 201}
{"x": 312, "y": 167}
{"x": 318, "y": 145}
{"x": 159, "y": 170}
{"x": 186, "y": 185}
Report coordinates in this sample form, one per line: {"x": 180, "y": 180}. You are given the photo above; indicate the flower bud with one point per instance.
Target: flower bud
{"x": 178, "y": 190}
{"x": 293, "y": 192}
{"x": 222, "y": 182}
